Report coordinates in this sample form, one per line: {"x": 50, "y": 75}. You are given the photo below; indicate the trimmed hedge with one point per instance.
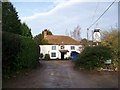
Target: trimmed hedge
{"x": 28, "y": 55}
{"x": 10, "y": 49}
{"x": 18, "y": 53}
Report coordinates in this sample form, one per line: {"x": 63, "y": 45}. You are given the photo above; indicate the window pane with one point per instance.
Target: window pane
{"x": 72, "y": 47}
{"x": 53, "y": 54}
{"x": 53, "y": 47}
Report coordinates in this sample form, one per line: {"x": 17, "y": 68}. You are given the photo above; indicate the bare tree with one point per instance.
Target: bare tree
{"x": 66, "y": 32}
{"x": 76, "y": 33}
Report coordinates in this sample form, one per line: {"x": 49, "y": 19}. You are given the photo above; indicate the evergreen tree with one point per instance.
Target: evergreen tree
{"x": 26, "y": 31}
{"x": 39, "y": 39}
{"x": 11, "y": 22}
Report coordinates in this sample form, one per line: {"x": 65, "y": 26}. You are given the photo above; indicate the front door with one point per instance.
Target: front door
{"x": 62, "y": 55}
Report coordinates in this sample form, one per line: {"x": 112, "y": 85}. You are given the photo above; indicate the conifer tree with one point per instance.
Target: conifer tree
{"x": 26, "y": 31}
{"x": 10, "y": 22}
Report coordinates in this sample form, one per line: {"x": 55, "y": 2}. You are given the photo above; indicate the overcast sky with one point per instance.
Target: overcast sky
{"x": 59, "y": 16}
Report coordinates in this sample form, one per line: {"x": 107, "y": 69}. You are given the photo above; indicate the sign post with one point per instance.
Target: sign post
{"x": 96, "y": 36}
{"x": 107, "y": 63}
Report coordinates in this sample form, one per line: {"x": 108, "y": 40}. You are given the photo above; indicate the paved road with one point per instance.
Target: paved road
{"x": 61, "y": 74}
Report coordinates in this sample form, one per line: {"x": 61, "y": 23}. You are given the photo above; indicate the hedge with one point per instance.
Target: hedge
{"x": 18, "y": 53}
{"x": 10, "y": 49}
{"x": 28, "y": 55}
{"x": 93, "y": 57}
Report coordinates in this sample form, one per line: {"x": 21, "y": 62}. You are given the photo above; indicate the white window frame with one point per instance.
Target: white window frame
{"x": 53, "y": 54}
{"x": 72, "y": 47}
{"x": 53, "y": 47}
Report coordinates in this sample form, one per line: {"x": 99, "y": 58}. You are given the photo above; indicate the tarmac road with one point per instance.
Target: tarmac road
{"x": 61, "y": 74}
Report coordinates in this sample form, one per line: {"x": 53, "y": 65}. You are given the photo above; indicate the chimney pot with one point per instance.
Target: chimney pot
{"x": 45, "y": 33}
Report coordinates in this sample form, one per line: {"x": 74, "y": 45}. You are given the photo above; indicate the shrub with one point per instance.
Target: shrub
{"x": 93, "y": 57}
{"x": 47, "y": 57}
{"x": 41, "y": 55}
{"x": 111, "y": 39}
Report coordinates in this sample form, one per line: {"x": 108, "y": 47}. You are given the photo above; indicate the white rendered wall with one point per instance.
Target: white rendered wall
{"x": 47, "y": 49}
{"x": 68, "y": 47}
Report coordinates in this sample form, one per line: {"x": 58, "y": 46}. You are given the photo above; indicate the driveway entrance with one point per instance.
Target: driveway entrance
{"x": 61, "y": 74}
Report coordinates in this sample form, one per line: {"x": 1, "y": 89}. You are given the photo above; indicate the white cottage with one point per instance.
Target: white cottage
{"x": 61, "y": 46}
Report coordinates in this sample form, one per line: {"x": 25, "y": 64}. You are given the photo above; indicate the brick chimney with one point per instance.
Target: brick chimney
{"x": 45, "y": 33}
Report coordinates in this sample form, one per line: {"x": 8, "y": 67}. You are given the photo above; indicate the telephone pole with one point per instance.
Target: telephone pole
{"x": 87, "y": 33}
{"x": 87, "y": 37}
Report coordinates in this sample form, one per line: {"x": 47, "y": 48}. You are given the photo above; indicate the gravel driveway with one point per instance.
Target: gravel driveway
{"x": 61, "y": 74}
